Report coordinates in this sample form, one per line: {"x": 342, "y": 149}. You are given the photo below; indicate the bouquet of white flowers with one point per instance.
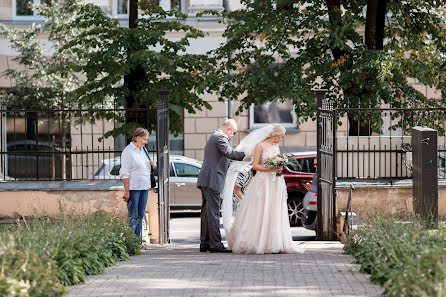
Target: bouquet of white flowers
{"x": 281, "y": 160}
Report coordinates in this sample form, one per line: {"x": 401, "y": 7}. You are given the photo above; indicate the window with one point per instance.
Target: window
{"x": 115, "y": 170}
{"x": 22, "y": 9}
{"x": 171, "y": 172}
{"x": 306, "y": 165}
{"x": 176, "y": 143}
{"x": 186, "y": 170}
{"x": 121, "y": 7}
{"x": 273, "y": 112}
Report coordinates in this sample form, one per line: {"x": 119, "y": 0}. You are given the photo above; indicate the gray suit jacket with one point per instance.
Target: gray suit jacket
{"x": 215, "y": 164}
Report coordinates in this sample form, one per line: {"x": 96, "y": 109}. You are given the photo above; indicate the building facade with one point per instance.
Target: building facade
{"x": 200, "y": 125}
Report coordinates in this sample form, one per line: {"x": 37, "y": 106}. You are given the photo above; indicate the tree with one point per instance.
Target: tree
{"x": 284, "y": 49}
{"x": 45, "y": 82}
{"x": 127, "y": 66}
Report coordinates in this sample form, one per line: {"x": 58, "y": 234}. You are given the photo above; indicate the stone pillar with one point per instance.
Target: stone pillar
{"x": 425, "y": 179}
{"x": 153, "y": 210}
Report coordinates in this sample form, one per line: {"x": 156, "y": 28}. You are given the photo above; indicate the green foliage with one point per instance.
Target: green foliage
{"x": 111, "y": 54}
{"x": 92, "y": 60}
{"x": 27, "y": 271}
{"x": 45, "y": 256}
{"x": 406, "y": 259}
{"x": 43, "y": 81}
{"x": 280, "y": 50}
{"x": 12, "y": 288}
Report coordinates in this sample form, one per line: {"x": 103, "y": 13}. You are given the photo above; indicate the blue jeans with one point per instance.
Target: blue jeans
{"x": 136, "y": 206}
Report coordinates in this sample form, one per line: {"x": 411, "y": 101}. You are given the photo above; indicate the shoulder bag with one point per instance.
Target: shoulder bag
{"x": 152, "y": 174}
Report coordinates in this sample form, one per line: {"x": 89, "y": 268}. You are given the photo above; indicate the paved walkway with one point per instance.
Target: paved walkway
{"x": 180, "y": 270}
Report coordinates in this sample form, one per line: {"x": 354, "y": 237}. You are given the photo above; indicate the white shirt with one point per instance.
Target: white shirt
{"x": 136, "y": 167}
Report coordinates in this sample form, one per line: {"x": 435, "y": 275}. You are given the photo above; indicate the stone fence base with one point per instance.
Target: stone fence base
{"x": 56, "y": 199}
{"x": 384, "y": 198}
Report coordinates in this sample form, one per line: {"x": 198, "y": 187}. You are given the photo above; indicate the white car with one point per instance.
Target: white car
{"x": 309, "y": 216}
{"x": 183, "y": 179}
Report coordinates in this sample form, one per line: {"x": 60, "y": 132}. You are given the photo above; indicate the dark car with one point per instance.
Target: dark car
{"x": 30, "y": 159}
{"x": 295, "y": 181}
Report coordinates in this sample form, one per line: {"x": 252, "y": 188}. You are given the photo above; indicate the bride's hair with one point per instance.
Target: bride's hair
{"x": 278, "y": 129}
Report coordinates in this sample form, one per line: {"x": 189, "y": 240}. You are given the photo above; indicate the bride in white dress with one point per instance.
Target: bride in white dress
{"x": 261, "y": 225}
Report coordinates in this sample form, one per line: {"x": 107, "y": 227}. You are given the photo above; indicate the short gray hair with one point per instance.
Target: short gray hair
{"x": 139, "y": 132}
{"x": 230, "y": 123}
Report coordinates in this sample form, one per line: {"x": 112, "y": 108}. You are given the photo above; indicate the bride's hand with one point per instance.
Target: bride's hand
{"x": 279, "y": 170}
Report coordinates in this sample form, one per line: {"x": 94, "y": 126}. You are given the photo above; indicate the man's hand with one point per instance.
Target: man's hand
{"x": 308, "y": 186}
{"x": 153, "y": 164}
{"x": 126, "y": 196}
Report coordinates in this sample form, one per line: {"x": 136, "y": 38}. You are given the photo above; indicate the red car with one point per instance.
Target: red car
{"x": 295, "y": 180}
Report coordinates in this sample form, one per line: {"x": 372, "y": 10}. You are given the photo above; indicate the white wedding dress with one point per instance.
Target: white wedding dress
{"x": 261, "y": 225}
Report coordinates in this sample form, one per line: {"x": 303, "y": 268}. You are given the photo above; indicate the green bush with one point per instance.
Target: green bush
{"x": 10, "y": 287}
{"x": 50, "y": 254}
{"x": 407, "y": 259}
{"x": 28, "y": 273}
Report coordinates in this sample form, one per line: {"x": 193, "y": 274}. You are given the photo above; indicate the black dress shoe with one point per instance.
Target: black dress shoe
{"x": 204, "y": 249}
{"x": 219, "y": 250}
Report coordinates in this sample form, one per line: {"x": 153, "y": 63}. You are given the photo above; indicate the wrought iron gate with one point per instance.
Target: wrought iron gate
{"x": 326, "y": 156}
{"x": 162, "y": 140}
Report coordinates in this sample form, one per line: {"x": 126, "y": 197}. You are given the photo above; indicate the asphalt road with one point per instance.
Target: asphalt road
{"x": 185, "y": 229}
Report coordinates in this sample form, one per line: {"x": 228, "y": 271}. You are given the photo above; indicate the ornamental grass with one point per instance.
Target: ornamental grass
{"x": 406, "y": 258}
{"x": 42, "y": 257}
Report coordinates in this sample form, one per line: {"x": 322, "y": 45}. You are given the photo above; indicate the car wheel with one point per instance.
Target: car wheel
{"x": 295, "y": 210}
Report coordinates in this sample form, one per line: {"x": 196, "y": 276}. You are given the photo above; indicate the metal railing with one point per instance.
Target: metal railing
{"x": 64, "y": 144}
{"x": 381, "y": 153}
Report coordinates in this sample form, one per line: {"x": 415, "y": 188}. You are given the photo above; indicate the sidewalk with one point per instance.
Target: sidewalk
{"x": 181, "y": 270}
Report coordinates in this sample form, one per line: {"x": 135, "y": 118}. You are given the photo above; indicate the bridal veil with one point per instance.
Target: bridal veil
{"x": 247, "y": 145}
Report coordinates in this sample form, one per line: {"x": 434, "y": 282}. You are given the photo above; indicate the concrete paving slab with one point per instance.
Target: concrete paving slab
{"x": 179, "y": 269}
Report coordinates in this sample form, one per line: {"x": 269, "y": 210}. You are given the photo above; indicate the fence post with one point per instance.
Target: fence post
{"x": 425, "y": 179}
{"x": 326, "y": 172}
{"x": 162, "y": 140}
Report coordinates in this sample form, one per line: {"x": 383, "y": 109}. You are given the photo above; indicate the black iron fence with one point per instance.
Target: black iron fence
{"x": 372, "y": 142}
{"x": 65, "y": 144}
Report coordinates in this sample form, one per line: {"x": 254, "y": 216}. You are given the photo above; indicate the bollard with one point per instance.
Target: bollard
{"x": 425, "y": 179}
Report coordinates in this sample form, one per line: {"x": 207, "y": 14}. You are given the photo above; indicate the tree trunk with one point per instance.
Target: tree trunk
{"x": 31, "y": 118}
{"x": 133, "y": 13}
{"x": 135, "y": 78}
{"x": 374, "y": 39}
{"x": 375, "y": 22}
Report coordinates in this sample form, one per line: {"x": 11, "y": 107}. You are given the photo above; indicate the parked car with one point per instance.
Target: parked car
{"x": 29, "y": 159}
{"x": 441, "y": 165}
{"x": 184, "y": 173}
{"x": 309, "y": 216}
{"x": 183, "y": 179}
{"x": 295, "y": 181}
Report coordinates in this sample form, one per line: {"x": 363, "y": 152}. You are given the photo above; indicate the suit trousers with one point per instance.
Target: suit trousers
{"x": 210, "y": 235}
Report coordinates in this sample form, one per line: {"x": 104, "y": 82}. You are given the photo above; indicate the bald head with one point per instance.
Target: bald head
{"x": 229, "y": 127}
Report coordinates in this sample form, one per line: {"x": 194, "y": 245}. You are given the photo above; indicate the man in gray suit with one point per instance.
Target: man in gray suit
{"x": 211, "y": 181}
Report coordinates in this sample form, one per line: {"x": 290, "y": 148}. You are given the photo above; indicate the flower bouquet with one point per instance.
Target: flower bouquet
{"x": 281, "y": 160}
